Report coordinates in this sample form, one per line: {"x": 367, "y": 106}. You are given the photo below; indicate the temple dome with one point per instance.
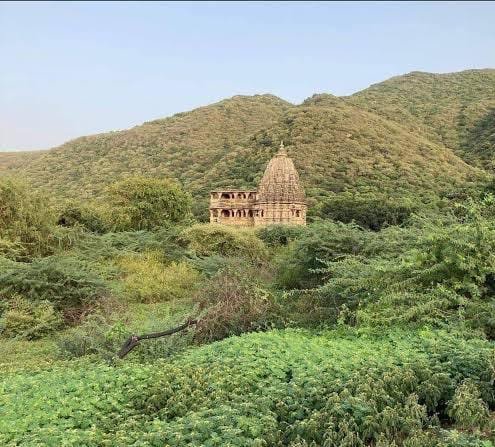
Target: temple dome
{"x": 280, "y": 182}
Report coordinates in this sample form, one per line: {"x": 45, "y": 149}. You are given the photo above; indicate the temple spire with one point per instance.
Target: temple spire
{"x": 281, "y": 150}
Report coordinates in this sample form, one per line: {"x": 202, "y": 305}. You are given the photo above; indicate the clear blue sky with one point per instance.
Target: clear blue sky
{"x": 72, "y": 69}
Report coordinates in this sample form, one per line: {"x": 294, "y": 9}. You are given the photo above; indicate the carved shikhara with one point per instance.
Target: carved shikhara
{"x": 280, "y": 198}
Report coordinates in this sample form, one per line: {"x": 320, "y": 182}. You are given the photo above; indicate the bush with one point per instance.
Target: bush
{"x": 65, "y": 282}
{"x": 276, "y": 388}
{"x": 27, "y": 320}
{"x": 298, "y": 266}
{"x": 142, "y": 203}
{"x": 89, "y": 216}
{"x": 273, "y": 235}
{"x": 95, "y": 336}
{"x": 26, "y": 221}
{"x": 467, "y": 408}
{"x": 370, "y": 212}
{"x": 443, "y": 277}
{"x": 148, "y": 280}
{"x": 210, "y": 239}
{"x": 232, "y": 302}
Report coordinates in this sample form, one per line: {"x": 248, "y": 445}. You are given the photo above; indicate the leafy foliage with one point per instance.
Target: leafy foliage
{"x": 26, "y": 222}
{"x": 299, "y": 267}
{"x": 467, "y": 408}
{"x": 89, "y": 216}
{"x": 27, "y": 320}
{"x": 64, "y": 281}
{"x": 372, "y": 212}
{"x": 443, "y": 274}
{"x": 148, "y": 280}
{"x": 273, "y": 235}
{"x": 278, "y": 388}
{"x": 143, "y": 203}
{"x": 210, "y": 239}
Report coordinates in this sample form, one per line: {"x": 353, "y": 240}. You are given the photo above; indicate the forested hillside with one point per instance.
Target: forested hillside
{"x": 455, "y": 109}
{"x": 405, "y": 136}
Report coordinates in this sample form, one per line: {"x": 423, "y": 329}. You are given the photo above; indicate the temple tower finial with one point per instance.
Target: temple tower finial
{"x": 281, "y": 150}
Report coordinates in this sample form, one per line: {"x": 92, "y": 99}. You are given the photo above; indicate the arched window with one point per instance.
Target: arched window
{"x": 225, "y": 213}
{"x": 298, "y": 213}
{"x": 250, "y": 213}
{"x": 238, "y": 213}
{"x": 225, "y": 195}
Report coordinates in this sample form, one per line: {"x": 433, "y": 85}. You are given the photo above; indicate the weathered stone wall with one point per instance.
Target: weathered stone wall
{"x": 280, "y": 213}
{"x": 233, "y": 207}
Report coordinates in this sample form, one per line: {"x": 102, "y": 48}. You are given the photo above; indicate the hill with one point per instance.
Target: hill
{"x": 338, "y": 147}
{"x": 372, "y": 141}
{"x": 183, "y": 146}
{"x": 454, "y": 109}
{"x": 13, "y": 160}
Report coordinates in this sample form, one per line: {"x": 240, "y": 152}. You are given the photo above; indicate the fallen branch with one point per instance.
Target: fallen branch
{"x": 134, "y": 340}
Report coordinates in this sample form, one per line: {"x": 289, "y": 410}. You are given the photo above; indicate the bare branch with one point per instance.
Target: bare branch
{"x": 134, "y": 340}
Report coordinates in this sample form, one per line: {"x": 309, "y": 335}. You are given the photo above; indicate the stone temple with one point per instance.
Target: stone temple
{"x": 279, "y": 199}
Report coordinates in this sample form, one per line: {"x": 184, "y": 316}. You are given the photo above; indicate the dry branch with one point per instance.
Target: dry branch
{"x": 134, "y": 340}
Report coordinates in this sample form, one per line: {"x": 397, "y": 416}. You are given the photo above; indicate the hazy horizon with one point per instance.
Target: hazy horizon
{"x": 76, "y": 69}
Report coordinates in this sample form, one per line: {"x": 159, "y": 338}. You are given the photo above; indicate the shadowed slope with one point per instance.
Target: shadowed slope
{"x": 453, "y": 109}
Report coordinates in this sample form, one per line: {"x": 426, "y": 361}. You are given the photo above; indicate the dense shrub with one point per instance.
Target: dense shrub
{"x": 273, "y": 235}
{"x": 143, "y": 203}
{"x": 371, "y": 212}
{"x": 26, "y": 221}
{"x": 234, "y": 301}
{"x": 444, "y": 275}
{"x": 27, "y": 320}
{"x": 96, "y": 335}
{"x": 276, "y": 388}
{"x": 109, "y": 246}
{"x": 209, "y": 239}
{"x": 63, "y": 281}
{"x": 323, "y": 241}
{"x": 467, "y": 408}
{"x": 89, "y": 216}
{"x": 147, "y": 279}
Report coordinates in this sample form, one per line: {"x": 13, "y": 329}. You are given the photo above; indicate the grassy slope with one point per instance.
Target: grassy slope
{"x": 455, "y": 109}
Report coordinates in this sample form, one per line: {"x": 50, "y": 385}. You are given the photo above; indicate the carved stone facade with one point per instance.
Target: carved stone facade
{"x": 279, "y": 199}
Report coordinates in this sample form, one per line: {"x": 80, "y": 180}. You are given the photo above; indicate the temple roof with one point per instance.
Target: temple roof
{"x": 280, "y": 182}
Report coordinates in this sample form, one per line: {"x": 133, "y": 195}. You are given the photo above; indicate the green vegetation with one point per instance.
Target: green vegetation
{"x": 142, "y": 203}
{"x": 455, "y": 109}
{"x": 25, "y": 221}
{"x": 402, "y": 139}
{"x": 281, "y": 388}
{"x": 373, "y": 326}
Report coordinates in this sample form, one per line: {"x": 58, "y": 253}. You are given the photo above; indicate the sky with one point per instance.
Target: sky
{"x": 77, "y": 68}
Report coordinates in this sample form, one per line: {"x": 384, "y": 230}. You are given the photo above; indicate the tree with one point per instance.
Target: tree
{"x": 141, "y": 203}
{"x": 26, "y": 222}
